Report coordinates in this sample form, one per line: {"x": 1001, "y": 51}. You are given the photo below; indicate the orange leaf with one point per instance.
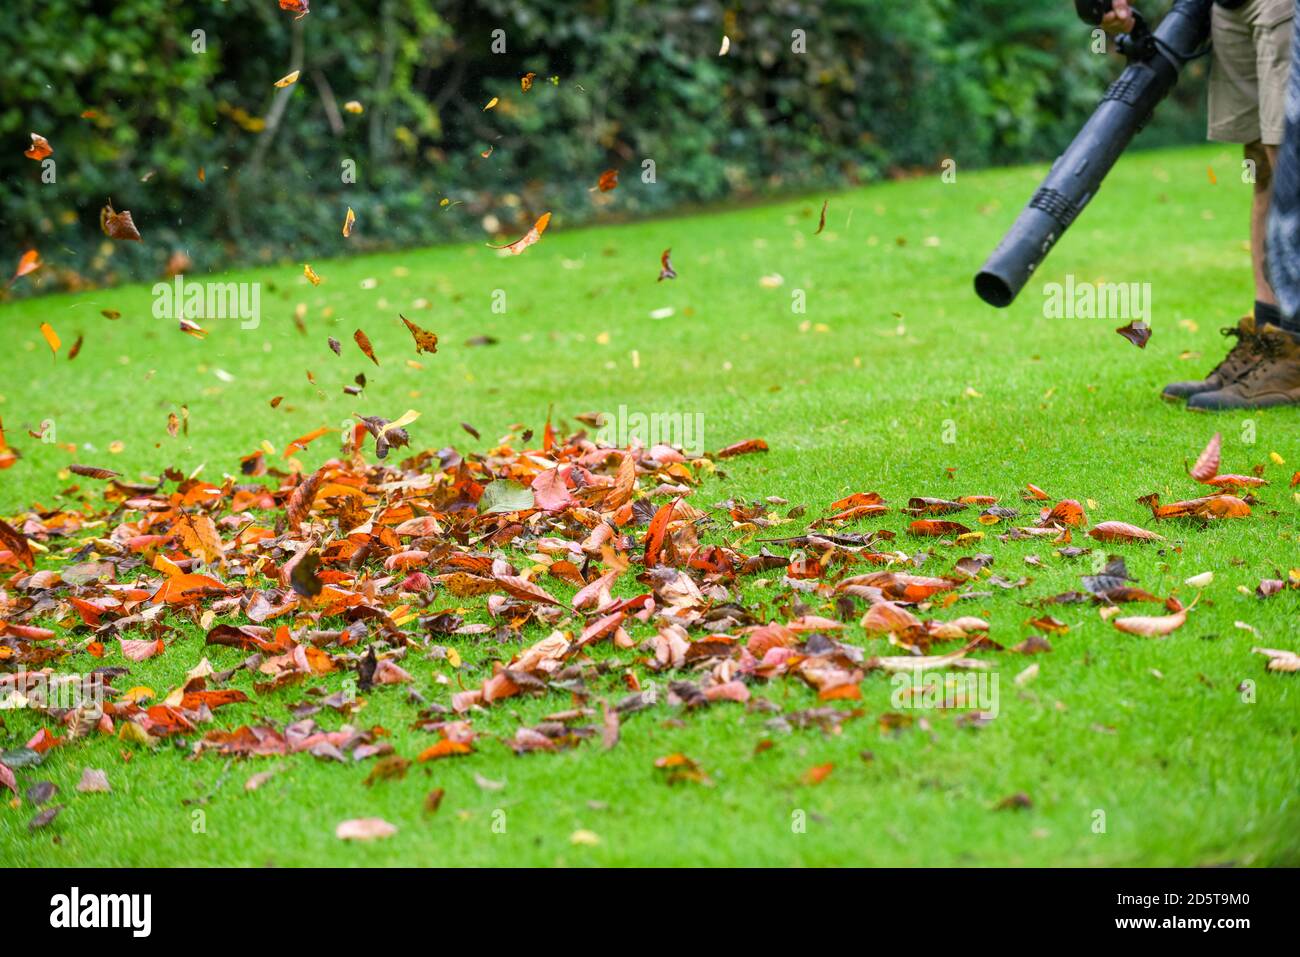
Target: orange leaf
{"x": 29, "y": 262}
{"x": 51, "y": 337}
{"x": 1122, "y": 532}
{"x": 532, "y": 236}
{"x": 444, "y": 749}
{"x": 40, "y": 148}
{"x": 654, "y": 538}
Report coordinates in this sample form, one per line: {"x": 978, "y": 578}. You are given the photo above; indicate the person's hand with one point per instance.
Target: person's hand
{"x": 1120, "y": 19}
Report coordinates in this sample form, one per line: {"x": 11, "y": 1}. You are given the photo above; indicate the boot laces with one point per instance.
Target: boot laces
{"x": 1246, "y": 342}
{"x": 1270, "y": 347}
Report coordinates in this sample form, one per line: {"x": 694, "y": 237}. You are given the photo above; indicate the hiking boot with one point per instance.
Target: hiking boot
{"x": 1244, "y": 354}
{"x": 1273, "y": 380}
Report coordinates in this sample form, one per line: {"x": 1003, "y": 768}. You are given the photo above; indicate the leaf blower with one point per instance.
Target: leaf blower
{"x": 1155, "y": 58}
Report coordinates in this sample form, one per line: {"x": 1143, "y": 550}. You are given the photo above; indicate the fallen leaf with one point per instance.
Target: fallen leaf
{"x": 364, "y": 829}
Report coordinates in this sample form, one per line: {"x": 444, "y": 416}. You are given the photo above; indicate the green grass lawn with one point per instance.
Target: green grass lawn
{"x": 893, "y": 355}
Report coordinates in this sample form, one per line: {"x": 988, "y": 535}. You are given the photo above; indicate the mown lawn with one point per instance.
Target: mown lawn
{"x": 893, "y": 356}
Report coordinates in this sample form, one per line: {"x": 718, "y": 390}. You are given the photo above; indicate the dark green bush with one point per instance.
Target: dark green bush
{"x": 884, "y": 88}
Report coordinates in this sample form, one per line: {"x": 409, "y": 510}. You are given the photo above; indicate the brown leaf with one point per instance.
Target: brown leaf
{"x": 16, "y": 542}
{"x": 363, "y": 342}
{"x": 300, "y": 502}
{"x": 425, "y": 341}
{"x": 523, "y": 589}
{"x": 666, "y": 270}
{"x": 610, "y": 726}
{"x": 742, "y": 448}
{"x": 91, "y": 471}
{"x": 118, "y": 225}
{"x": 1136, "y": 332}
{"x": 44, "y": 817}
{"x": 930, "y": 527}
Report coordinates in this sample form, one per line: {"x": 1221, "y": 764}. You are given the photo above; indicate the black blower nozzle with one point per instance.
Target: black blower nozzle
{"x": 1155, "y": 60}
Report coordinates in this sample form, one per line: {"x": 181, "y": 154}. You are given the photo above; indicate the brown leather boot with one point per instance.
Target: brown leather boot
{"x": 1244, "y": 354}
{"x": 1273, "y": 380}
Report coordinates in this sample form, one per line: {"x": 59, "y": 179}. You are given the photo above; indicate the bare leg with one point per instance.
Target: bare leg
{"x": 1264, "y": 157}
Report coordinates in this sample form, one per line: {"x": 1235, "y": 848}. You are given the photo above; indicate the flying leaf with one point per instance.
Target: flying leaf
{"x": 288, "y": 80}
{"x": 310, "y": 273}
{"x": 425, "y": 341}
{"x": 349, "y": 220}
{"x": 529, "y": 238}
{"x": 39, "y": 149}
{"x": 91, "y": 471}
{"x": 363, "y": 343}
{"x": 118, "y": 225}
{"x": 1136, "y": 332}
{"x": 30, "y": 261}
{"x": 666, "y": 270}
{"x": 821, "y": 223}
{"x": 51, "y": 337}
{"x": 608, "y": 180}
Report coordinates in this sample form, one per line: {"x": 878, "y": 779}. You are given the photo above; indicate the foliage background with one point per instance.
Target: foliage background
{"x": 885, "y": 89}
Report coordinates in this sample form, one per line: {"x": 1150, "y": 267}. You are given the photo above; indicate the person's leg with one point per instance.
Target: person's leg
{"x": 1262, "y": 157}
{"x": 1284, "y": 223}
{"x": 1274, "y": 378}
{"x": 1234, "y": 118}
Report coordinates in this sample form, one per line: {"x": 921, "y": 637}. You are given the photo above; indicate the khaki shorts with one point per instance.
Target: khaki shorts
{"x": 1252, "y": 57}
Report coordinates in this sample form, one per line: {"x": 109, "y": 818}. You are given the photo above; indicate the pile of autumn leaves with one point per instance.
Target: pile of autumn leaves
{"x": 359, "y": 566}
